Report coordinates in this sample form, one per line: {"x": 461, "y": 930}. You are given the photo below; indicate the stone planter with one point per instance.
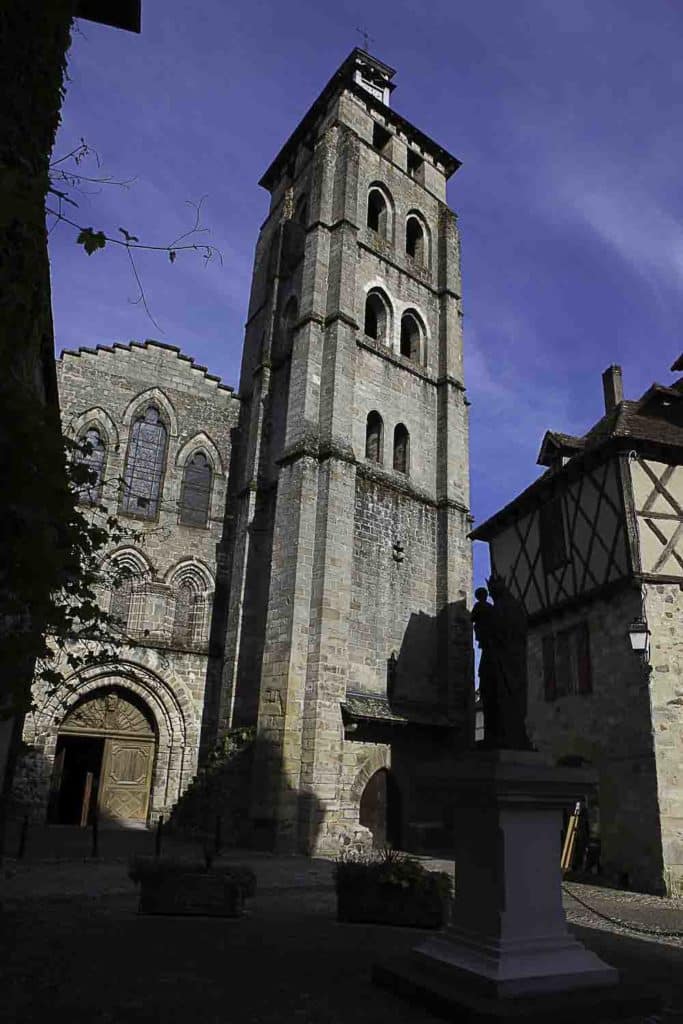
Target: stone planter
{"x": 207, "y": 893}
{"x": 371, "y": 902}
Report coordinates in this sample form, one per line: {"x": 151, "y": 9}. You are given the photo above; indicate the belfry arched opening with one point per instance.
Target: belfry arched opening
{"x": 104, "y": 760}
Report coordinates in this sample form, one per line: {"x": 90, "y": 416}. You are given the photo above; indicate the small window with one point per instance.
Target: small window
{"x": 195, "y": 492}
{"x": 415, "y": 162}
{"x": 121, "y": 597}
{"x": 301, "y": 210}
{"x": 378, "y": 213}
{"x": 567, "y": 662}
{"x": 92, "y": 457}
{"x": 145, "y": 465}
{"x": 380, "y": 136}
{"x": 552, "y": 535}
{"x": 373, "y": 437}
{"x": 410, "y": 337}
{"x": 376, "y": 317}
{"x": 401, "y": 448}
{"x": 415, "y": 241}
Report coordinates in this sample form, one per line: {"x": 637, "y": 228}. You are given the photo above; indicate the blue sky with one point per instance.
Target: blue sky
{"x": 567, "y": 116}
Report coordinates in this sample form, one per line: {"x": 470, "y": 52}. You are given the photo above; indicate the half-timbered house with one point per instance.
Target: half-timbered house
{"x": 594, "y": 549}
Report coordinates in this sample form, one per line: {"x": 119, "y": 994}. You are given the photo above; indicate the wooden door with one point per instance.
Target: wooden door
{"x": 373, "y": 807}
{"x": 125, "y": 780}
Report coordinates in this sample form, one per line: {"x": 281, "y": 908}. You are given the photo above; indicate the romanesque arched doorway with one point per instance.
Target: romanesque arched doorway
{"x": 104, "y": 760}
{"x": 380, "y": 809}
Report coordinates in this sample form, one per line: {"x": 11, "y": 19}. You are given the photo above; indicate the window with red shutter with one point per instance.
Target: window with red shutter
{"x": 583, "y": 659}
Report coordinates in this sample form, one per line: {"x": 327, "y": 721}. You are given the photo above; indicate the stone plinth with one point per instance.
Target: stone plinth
{"x": 508, "y": 941}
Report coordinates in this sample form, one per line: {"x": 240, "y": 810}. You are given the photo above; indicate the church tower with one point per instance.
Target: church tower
{"x": 348, "y": 562}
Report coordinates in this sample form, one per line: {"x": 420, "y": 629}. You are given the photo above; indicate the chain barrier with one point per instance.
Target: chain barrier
{"x": 623, "y": 924}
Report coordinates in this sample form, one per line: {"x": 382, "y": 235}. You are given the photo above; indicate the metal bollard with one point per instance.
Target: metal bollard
{"x": 158, "y": 836}
{"x": 95, "y": 845}
{"x": 218, "y": 837}
{"x": 21, "y": 848}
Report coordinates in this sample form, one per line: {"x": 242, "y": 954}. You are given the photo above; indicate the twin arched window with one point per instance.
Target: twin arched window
{"x": 411, "y": 337}
{"x": 377, "y": 316}
{"x": 145, "y": 464}
{"x": 377, "y": 325}
{"x": 374, "y": 443}
{"x": 93, "y": 457}
{"x": 195, "y": 492}
{"x": 379, "y": 218}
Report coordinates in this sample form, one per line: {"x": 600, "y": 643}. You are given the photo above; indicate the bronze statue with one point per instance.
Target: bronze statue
{"x": 500, "y": 629}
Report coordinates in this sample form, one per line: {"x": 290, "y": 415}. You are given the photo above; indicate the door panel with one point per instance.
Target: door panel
{"x": 125, "y": 781}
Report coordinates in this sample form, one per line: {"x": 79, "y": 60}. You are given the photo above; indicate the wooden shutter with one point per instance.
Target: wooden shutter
{"x": 550, "y": 686}
{"x": 564, "y": 677}
{"x": 583, "y": 658}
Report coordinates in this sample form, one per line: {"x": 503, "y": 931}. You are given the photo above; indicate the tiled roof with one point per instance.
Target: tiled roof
{"x": 654, "y": 420}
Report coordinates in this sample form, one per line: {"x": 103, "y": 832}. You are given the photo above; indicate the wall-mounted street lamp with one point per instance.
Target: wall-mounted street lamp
{"x": 639, "y": 636}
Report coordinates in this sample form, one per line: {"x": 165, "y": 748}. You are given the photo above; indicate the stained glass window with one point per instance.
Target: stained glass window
{"x": 145, "y": 465}
{"x": 196, "y": 491}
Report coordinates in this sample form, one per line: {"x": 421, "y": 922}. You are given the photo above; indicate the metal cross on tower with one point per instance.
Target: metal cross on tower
{"x": 366, "y": 38}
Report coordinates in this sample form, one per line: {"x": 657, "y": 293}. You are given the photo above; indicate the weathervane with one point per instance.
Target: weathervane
{"x": 366, "y": 38}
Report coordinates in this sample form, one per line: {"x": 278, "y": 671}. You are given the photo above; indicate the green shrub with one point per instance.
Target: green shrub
{"x": 389, "y": 867}
{"x": 147, "y": 868}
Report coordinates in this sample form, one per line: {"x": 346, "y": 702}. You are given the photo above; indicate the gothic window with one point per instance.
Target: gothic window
{"x": 567, "y": 662}
{"x": 378, "y": 217}
{"x": 121, "y": 597}
{"x": 93, "y": 459}
{"x": 285, "y": 338}
{"x": 196, "y": 491}
{"x": 552, "y": 535}
{"x": 373, "y": 437}
{"x": 145, "y": 465}
{"x": 185, "y": 619}
{"x": 411, "y": 335}
{"x": 415, "y": 241}
{"x": 401, "y": 448}
{"x": 376, "y": 317}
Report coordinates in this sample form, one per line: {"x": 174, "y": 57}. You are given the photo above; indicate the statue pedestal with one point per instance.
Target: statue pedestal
{"x": 508, "y": 941}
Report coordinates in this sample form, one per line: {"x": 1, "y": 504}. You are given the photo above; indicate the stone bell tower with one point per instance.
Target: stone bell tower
{"x": 347, "y": 636}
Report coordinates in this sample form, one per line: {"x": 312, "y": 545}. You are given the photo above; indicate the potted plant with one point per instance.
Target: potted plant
{"x": 172, "y": 885}
{"x": 390, "y": 888}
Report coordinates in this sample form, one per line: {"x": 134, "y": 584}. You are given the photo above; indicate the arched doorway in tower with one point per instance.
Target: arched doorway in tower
{"x": 380, "y": 809}
{"x": 104, "y": 760}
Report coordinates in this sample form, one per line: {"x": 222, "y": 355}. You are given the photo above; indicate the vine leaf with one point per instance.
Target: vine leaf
{"x": 128, "y": 237}
{"x": 91, "y": 240}
{"x": 172, "y": 255}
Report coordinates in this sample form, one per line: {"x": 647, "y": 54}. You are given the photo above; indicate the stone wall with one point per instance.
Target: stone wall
{"x": 610, "y": 728}
{"x": 664, "y": 614}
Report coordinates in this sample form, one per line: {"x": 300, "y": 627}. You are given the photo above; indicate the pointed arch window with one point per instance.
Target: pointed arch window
{"x": 374, "y": 431}
{"x": 411, "y": 337}
{"x": 401, "y": 448}
{"x": 376, "y": 317}
{"x": 378, "y": 214}
{"x": 93, "y": 457}
{"x": 186, "y": 614}
{"x": 195, "y": 493}
{"x": 145, "y": 464}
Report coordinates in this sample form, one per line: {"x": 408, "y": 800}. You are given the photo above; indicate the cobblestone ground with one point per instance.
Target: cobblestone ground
{"x": 73, "y": 948}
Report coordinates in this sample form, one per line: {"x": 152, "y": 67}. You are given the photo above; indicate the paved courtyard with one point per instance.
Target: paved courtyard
{"x": 73, "y": 948}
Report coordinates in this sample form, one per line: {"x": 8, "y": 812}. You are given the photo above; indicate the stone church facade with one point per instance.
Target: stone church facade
{"x": 336, "y": 530}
